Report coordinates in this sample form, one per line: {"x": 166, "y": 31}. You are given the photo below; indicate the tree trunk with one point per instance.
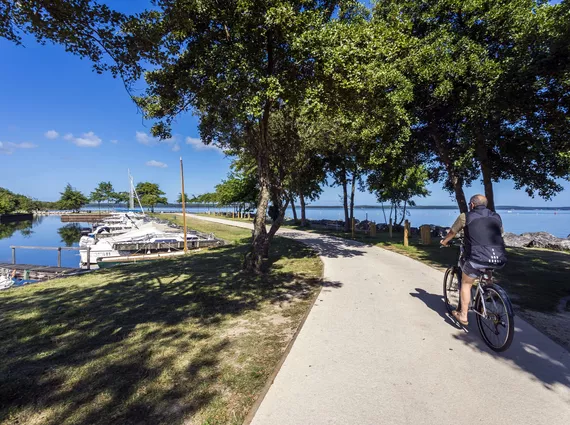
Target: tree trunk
{"x": 292, "y": 200}
{"x": 303, "y": 210}
{"x": 455, "y": 180}
{"x": 384, "y": 212}
{"x": 403, "y": 213}
{"x": 483, "y": 157}
{"x": 345, "y": 201}
{"x": 274, "y": 227}
{"x": 353, "y": 188}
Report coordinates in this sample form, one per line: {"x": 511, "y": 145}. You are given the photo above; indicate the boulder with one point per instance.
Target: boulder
{"x": 536, "y": 240}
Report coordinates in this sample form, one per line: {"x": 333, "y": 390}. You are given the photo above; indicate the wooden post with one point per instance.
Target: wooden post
{"x": 406, "y": 232}
{"x": 425, "y": 232}
{"x": 372, "y": 229}
{"x": 13, "y": 255}
{"x": 88, "y": 258}
{"x": 183, "y": 207}
{"x": 390, "y": 228}
{"x": 59, "y": 256}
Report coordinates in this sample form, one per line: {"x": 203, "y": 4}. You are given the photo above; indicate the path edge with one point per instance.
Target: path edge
{"x": 271, "y": 378}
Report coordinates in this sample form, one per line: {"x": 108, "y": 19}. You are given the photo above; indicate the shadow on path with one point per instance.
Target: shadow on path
{"x": 435, "y": 302}
{"x": 327, "y": 246}
{"x": 531, "y": 351}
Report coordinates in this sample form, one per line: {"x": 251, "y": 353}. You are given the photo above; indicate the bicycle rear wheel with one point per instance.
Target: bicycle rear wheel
{"x": 497, "y": 328}
{"x": 452, "y": 288}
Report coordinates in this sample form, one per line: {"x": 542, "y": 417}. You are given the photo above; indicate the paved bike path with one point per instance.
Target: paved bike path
{"x": 379, "y": 348}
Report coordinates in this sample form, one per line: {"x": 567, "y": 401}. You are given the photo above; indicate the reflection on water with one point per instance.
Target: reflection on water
{"x": 70, "y": 234}
{"x": 41, "y": 231}
{"x": 24, "y": 227}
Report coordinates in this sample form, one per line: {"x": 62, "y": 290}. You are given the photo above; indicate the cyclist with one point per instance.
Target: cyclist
{"x": 484, "y": 247}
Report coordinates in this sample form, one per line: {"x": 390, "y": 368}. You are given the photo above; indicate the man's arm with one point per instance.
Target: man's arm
{"x": 455, "y": 229}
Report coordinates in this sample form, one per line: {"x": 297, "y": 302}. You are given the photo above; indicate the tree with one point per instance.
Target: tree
{"x": 398, "y": 182}
{"x": 71, "y": 199}
{"x": 103, "y": 192}
{"x": 179, "y": 199}
{"x": 194, "y": 46}
{"x": 479, "y": 106}
{"x": 121, "y": 197}
{"x": 150, "y": 194}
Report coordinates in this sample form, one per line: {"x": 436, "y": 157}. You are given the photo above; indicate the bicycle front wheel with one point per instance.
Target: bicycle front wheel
{"x": 497, "y": 325}
{"x": 452, "y": 288}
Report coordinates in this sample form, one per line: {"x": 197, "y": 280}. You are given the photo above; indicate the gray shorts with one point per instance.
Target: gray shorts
{"x": 474, "y": 270}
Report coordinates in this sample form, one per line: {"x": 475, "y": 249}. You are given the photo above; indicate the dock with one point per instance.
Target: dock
{"x": 37, "y": 272}
{"x": 157, "y": 246}
{"x": 83, "y": 218}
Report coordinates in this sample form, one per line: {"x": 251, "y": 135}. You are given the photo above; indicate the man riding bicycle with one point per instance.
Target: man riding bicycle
{"x": 484, "y": 247}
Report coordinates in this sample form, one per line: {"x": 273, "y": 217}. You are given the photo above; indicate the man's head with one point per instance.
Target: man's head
{"x": 477, "y": 200}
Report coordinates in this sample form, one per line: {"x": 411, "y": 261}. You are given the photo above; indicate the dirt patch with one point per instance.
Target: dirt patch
{"x": 554, "y": 325}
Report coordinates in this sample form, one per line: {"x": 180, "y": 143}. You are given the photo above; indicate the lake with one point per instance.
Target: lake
{"x": 50, "y": 231}
{"x": 41, "y": 231}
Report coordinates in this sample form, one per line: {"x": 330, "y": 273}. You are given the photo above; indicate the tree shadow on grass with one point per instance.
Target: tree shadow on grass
{"x": 531, "y": 351}
{"x": 132, "y": 345}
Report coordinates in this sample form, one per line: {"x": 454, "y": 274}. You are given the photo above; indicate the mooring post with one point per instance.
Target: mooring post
{"x": 13, "y": 255}
{"x": 59, "y": 256}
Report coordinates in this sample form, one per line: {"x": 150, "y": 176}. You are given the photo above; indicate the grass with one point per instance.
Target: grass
{"x": 535, "y": 279}
{"x": 190, "y": 340}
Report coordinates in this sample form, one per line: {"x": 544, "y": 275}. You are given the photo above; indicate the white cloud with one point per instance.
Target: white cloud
{"x": 199, "y": 146}
{"x": 176, "y": 147}
{"x": 8, "y": 148}
{"x": 158, "y": 164}
{"x": 114, "y": 141}
{"x": 87, "y": 140}
{"x": 145, "y": 139}
{"x": 51, "y": 134}
{"x": 148, "y": 140}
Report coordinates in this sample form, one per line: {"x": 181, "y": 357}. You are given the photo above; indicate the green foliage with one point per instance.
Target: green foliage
{"x": 71, "y": 199}
{"x": 13, "y": 203}
{"x": 179, "y": 199}
{"x": 239, "y": 189}
{"x": 150, "y": 194}
{"x": 121, "y": 197}
{"x": 103, "y": 192}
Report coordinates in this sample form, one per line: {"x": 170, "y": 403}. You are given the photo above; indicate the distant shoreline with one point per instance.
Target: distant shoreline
{"x": 372, "y": 207}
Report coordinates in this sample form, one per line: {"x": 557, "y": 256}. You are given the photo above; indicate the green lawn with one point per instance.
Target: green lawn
{"x": 190, "y": 340}
{"x": 536, "y": 279}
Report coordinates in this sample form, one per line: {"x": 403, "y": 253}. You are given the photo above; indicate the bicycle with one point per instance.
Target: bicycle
{"x": 489, "y": 302}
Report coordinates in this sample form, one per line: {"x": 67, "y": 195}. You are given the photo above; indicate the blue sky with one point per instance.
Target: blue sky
{"x": 61, "y": 122}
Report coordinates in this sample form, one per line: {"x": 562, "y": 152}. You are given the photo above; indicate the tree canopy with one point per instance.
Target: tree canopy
{"x": 305, "y": 92}
{"x": 150, "y": 194}
{"x": 71, "y": 199}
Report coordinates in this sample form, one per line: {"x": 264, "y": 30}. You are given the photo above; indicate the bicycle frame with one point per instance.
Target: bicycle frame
{"x": 484, "y": 278}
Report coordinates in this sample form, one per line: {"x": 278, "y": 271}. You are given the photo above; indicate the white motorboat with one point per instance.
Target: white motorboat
{"x": 150, "y": 236}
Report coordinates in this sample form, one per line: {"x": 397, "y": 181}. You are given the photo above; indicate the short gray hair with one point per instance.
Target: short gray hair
{"x": 478, "y": 200}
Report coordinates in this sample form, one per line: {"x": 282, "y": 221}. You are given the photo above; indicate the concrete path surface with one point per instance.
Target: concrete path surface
{"x": 379, "y": 348}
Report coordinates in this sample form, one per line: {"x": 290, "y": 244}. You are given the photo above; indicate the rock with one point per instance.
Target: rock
{"x": 536, "y": 240}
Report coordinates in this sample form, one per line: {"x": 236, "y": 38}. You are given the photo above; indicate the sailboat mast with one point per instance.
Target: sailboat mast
{"x": 131, "y": 193}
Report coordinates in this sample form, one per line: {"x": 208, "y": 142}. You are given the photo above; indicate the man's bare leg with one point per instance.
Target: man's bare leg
{"x": 466, "y": 285}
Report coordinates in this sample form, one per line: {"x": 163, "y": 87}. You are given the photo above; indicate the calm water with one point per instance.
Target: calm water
{"x": 42, "y": 231}
{"x": 517, "y": 221}
{"x": 50, "y": 231}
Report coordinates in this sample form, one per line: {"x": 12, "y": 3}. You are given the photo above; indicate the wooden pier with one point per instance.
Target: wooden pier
{"x": 83, "y": 218}
{"x": 36, "y": 272}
